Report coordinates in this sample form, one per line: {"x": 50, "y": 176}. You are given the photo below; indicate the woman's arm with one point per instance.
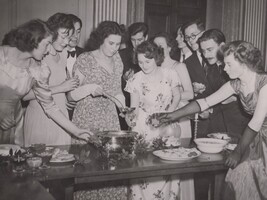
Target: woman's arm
{"x": 130, "y": 118}
{"x": 176, "y": 99}
{"x": 251, "y": 131}
{"x": 186, "y": 83}
{"x": 85, "y": 90}
{"x": 196, "y": 106}
{"x": 64, "y": 87}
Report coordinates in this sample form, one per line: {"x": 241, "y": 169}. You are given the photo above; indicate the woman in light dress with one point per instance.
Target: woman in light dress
{"x": 21, "y": 71}
{"x": 39, "y": 128}
{"x": 169, "y": 45}
{"x": 244, "y": 64}
{"x": 154, "y": 89}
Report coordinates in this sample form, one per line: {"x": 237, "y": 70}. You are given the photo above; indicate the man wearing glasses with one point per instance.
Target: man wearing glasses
{"x": 209, "y": 121}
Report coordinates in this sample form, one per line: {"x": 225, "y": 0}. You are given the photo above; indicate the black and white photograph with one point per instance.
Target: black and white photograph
{"x": 133, "y": 100}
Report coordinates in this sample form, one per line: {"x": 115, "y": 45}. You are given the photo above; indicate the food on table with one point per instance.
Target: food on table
{"x": 34, "y": 162}
{"x": 222, "y": 136}
{"x": 177, "y": 154}
{"x": 61, "y": 156}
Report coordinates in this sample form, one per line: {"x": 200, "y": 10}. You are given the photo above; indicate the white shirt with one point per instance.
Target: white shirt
{"x": 70, "y": 62}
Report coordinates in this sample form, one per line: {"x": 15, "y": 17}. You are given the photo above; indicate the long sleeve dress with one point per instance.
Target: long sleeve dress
{"x": 15, "y": 82}
{"x": 39, "y": 128}
{"x": 155, "y": 96}
{"x": 249, "y": 179}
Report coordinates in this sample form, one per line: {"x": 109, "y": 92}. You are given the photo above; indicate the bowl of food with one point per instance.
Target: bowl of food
{"x": 210, "y": 145}
{"x": 117, "y": 141}
{"x": 34, "y": 162}
{"x": 220, "y": 135}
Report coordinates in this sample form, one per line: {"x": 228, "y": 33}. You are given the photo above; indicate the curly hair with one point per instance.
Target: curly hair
{"x": 103, "y": 30}
{"x": 59, "y": 20}
{"x": 245, "y": 53}
{"x": 27, "y": 36}
{"x": 170, "y": 41}
{"x": 151, "y": 51}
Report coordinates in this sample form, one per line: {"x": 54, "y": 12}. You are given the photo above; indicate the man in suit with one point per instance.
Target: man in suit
{"x": 234, "y": 119}
{"x": 73, "y": 51}
{"x": 210, "y": 120}
{"x": 138, "y": 33}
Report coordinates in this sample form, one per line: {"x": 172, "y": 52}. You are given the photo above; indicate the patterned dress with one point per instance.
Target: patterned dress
{"x": 155, "y": 96}
{"x": 15, "y": 82}
{"x": 249, "y": 179}
{"x": 99, "y": 113}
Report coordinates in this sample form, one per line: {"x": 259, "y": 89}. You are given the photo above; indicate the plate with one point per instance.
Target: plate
{"x": 5, "y": 148}
{"x": 222, "y": 136}
{"x": 63, "y": 158}
{"x": 179, "y": 154}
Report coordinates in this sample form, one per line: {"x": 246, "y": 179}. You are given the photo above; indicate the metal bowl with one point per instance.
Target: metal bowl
{"x": 117, "y": 141}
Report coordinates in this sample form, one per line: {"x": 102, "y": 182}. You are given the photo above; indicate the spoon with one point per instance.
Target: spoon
{"x": 122, "y": 109}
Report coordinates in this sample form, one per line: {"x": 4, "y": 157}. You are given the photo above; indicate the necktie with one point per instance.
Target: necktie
{"x": 71, "y": 53}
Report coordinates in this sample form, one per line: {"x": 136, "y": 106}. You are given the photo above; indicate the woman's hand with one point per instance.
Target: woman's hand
{"x": 130, "y": 118}
{"x": 69, "y": 85}
{"x": 88, "y": 136}
{"x": 96, "y": 90}
{"x": 233, "y": 159}
{"x": 7, "y": 123}
{"x": 160, "y": 119}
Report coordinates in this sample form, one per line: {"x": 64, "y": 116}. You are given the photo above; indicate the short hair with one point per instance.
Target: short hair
{"x": 151, "y": 51}
{"x": 59, "y": 20}
{"x": 171, "y": 42}
{"x": 103, "y": 30}
{"x": 213, "y": 34}
{"x": 27, "y": 36}
{"x": 198, "y": 22}
{"x": 75, "y": 19}
{"x": 245, "y": 53}
{"x": 137, "y": 27}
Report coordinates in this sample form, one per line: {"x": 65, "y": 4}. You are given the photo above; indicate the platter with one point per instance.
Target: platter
{"x": 177, "y": 154}
{"x": 61, "y": 156}
{"x": 65, "y": 159}
{"x": 5, "y": 148}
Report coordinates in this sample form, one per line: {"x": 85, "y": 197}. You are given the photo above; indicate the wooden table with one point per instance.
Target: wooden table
{"x": 144, "y": 165}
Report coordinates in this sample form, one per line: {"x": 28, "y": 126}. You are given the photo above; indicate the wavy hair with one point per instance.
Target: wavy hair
{"x": 27, "y": 36}
{"x": 245, "y": 53}
{"x": 103, "y": 30}
{"x": 150, "y": 51}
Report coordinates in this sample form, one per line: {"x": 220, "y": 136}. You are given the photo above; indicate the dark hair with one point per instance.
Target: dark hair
{"x": 198, "y": 22}
{"x": 59, "y": 20}
{"x": 212, "y": 34}
{"x": 75, "y": 19}
{"x": 171, "y": 42}
{"x": 245, "y": 53}
{"x": 103, "y": 30}
{"x": 138, "y": 27}
{"x": 151, "y": 50}
{"x": 27, "y": 36}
